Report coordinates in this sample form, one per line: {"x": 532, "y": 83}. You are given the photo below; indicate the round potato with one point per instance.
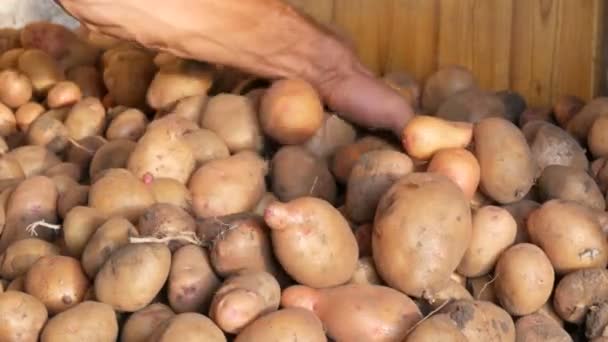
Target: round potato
{"x": 95, "y": 322}
{"x": 86, "y": 118}
{"x": 282, "y": 325}
{"x": 444, "y": 83}
{"x": 112, "y": 155}
{"x": 15, "y": 88}
{"x": 27, "y": 113}
{"x": 471, "y": 106}
{"x": 22, "y": 317}
{"x": 64, "y": 93}
{"x": 129, "y": 124}
{"x": 79, "y": 224}
{"x": 19, "y": 257}
{"x": 49, "y": 132}
{"x": 191, "y": 107}
{"x": 481, "y": 321}
{"x": 188, "y": 327}
{"x": 551, "y": 145}
{"x": 162, "y": 220}
{"x": 141, "y": 324}
{"x": 538, "y": 327}
{"x": 10, "y": 168}
{"x": 580, "y": 125}
{"x": 41, "y": 69}
{"x": 127, "y": 74}
{"x": 8, "y": 123}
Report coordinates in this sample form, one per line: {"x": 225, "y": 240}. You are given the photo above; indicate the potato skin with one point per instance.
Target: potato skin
{"x": 538, "y": 328}
{"x": 96, "y": 322}
{"x": 282, "y": 325}
{"x": 22, "y": 317}
{"x": 15, "y": 88}
{"x": 576, "y": 292}
{"x": 175, "y": 81}
{"x": 86, "y": 118}
{"x": 551, "y": 145}
{"x": 62, "y": 94}
{"x": 346, "y": 156}
{"x": 471, "y": 106}
{"x": 551, "y": 228}
{"x": 8, "y": 123}
{"x": 113, "y": 154}
{"x": 129, "y": 286}
{"x": 188, "y": 327}
{"x": 507, "y": 174}
{"x": 79, "y": 224}
{"x": 438, "y": 327}
{"x": 334, "y": 133}
{"x": 408, "y": 259}
{"x": 41, "y": 69}
{"x": 130, "y": 124}
{"x": 21, "y": 255}
{"x": 424, "y": 135}
{"x": 582, "y": 122}
{"x": 460, "y": 165}
{"x": 206, "y": 145}
{"x": 171, "y": 191}
{"x": 569, "y": 183}
{"x": 445, "y": 82}
{"x": 166, "y": 220}
{"x": 141, "y": 324}
{"x": 481, "y": 321}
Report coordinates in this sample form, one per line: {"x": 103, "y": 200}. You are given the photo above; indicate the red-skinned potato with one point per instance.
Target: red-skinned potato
{"x": 282, "y": 325}
{"x": 291, "y": 111}
{"x": 460, "y": 166}
{"x": 96, "y": 322}
{"x": 22, "y": 317}
{"x": 141, "y": 324}
{"x": 445, "y": 82}
{"x": 346, "y": 156}
{"x": 15, "y": 88}
{"x": 187, "y": 327}
{"x": 576, "y": 292}
{"x": 312, "y": 241}
{"x": 424, "y": 135}
{"x": 357, "y": 312}
{"x": 481, "y": 321}
{"x": 438, "y": 327}
{"x": 19, "y": 257}
{"x": 405, "y": 243}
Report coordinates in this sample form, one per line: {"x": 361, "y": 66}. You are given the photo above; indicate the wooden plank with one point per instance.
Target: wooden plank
{"x": 413, "y": 37}
{"x": 477, "y": 35}
{"x": 576, "y": 70}
{"x": 533, "y": 48}
{"x": 604, "y": 65}
{"x": 322, "y": 10}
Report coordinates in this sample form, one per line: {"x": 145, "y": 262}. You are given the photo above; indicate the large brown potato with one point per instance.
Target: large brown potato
{"x": 572, "y": 184}
{"x": 26, "y": 114}
{"x": 21, "y": 317}
{"x": 597, "y": 140}
{"x": 471, "y": 106}
{"x": 283, "y": 325}
{"x": 141, "y": 324}
{"x": 87, "y": 321}
{"x": 49, "y": 132}
{"x": 79, "y": 224}
{"x": 21, "y": 255}
{"x": 445, "y": 82}
{"x": 417, "y": 217}
{"x": 551, "y": 145}
{"x": 187, "y": 327}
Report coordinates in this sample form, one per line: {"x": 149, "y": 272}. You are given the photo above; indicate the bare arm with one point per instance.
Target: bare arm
{"x": 264, "y": 37}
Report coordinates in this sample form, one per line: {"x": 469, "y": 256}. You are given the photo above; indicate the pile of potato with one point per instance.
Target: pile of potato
{"x": 145, "y": 197}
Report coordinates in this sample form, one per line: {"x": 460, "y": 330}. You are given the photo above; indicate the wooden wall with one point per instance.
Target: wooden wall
{"x": 541, "y": 48}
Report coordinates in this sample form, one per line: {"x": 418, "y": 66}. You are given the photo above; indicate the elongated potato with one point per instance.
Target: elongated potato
{"x": 507, "y": 173}
{"x": 404, "y": 242}
{"x": 96, "y": 322}
{"x": 346, "y": 156}
{"x": 572, "y": 184}
{"x": 282, "y": 325}
{"x": 551, "y": 145}
{"x": 576, "y": 292}
{"x": 86, "y": 118}
{"x": 191, "y": 107}
{"x": 41, "y": 69}
{"x": 162, "y": 220}
{"x": 19, "y": 257}
{"x": 79, "y": 224}
{"x": 82, "y": 152}
{"x": 141, "y": 324}
{"x": 424, "y": 135}
{"x": 22, "y": 317}
{"x": 175, "y": 81}
{"x": 129, "y": 124}
{"x": 63, "y": 94}
{"x": 481, "y": 321}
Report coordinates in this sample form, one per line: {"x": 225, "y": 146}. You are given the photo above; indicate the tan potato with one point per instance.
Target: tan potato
{"x": 106, "y": 239}
{"x": 520, "y": 211}
{"x": 4, "y": 198}
{"x": 596, "y": 322}
{"x": 312, "y": 227}
{"x": 295, "y": 172}
{"x": 141, "y": 324}
{"x": 15, "y": 88}
{"x": 162, "y": 220}
{"x": 205, "y": 146}
{"x": 551, "y": 228}
{"x": 172, "y": 123}
{"x": 21, "y": 317}
{"x": 424, "y": 135}
{"x": 41, "y": 69}
{"x": 357, "y": 312}
{"x": 27, "y": 113}
{"x": 581, "y": 123}
{"x": 445, "y": 82}
{"x": 74, "y": 196}
{"x": 438, "y": 327}
{"x": 129, "y": 124}
{"x": 81, "y": 152}
{"x": 17, "y": 284}
{"x": 57, "y": 281}
{"x": 266, "y": 199}
{"x": 95, "y": 322}
{"x": 49, "y": 132}
{"x": 551, "y": 145}
{"x": 190, "y": 107}
{"x": 127, "y": 74}
{"x": 494, "y": 230}
{"x": 133, "y": 276}
{"x": 64, "y": 93}
{"x": 119, "y": 193}
{"x": 576, "y": 292}
{"x": 568, "y": 183}
{"x": 188, "y": 327}
{"x": 283, "y": 325}
{"x": 597, "y": 140}
{"x": 63, "y": 183}
{"x": 33, "y": 200}
{"x": 539, "y": 328}
{"x": 86, "y": 118}
{"x": 88, "y": 79}
{"x": 346, "y": 156}
{"x": 79, "y": 224}
{"x": 19, "y": 257}
{"x": 524, "y": 279}
{"x": 481, "y": 321}
{"x": 548, "y": 311}
{"x": 291, "y": 111}
{"x": 228, "y": 186}
{"x": 10, "y": 168}
{"x": 334, "y": 134}
{"x": 460, "y": 166}
{"x": 192, "y": 281}
{"x": 67, "y": 169}
{"x": 10, "y": 58}
{"x": 112, "y": 155}
{"x": 373, "y": 174}
{"x": 406, "y": 258}
{"x": 565, "y": 108}
{"x": 366, "y": 273}
{"x": 234, "y": 119}
{"x": 507, "y": 165}
{"x": 471, "y": 106}
{"x": 175, "y": 81}
{"x": 170, "y": 191}
{"x": 8, "y": 123}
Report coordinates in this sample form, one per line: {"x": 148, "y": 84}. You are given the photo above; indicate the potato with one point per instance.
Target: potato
{"x": 234, "y": 119}
{"x": 57, "y": 281}
{"x": 524, "y": 279}
{"x": 87, "y": 321}
{"x": 565, "y": 108}
{"x": 363, "y": 234}
{"x": 88, "y": 79}
{"x": 531, "y": 114}
{"x": 597, "y": 139}
{"x": 15, "y": 88}
{"x": 133, "y": 275}
{"x": 187, "y": 327}
{"x": 357, "y": 312}
{"x": 481, "y": 321}
{"x": 471, "y": 106}
{"x": 9, "y": 39}
{"x": 283, "y": 325}
{"x": 423, "y": 136}
{"x": 119, "y": 193}
{"x": 10, "y": 168}
{"x": 66, "y": 169}
{"x": 494, "y": 230}
{"x": 346, "y": 156}
{"x": 21, "y": 317}
{"x": 127, "y": 74}
{"x": 365, "y": 273}
{"x": 26, "y": 114}
{"x": 228, "y": 186}
{"x": 17, "y": 284}
{"x": 19, "y": 257}
{"x": 312, "y": 227}
{"x": 295, "y": 172}
{"x": 450, "y": 292}
{"x": 460, "y": 166}
{"x": 405, "y": 84}
{"x": 507, "y": 174}
{"x": 79, "y": 224}
{"x": 106, "y": 239}
{"x": 404, "y": 241}
{"x": 8, "y": 123}
{"x": 74, "y": 196}
{"x": 572, "y": 184}
{"x": 130, "y": 124}
{"x": 114, "y": 154}
{"x": 81, "y": 152}
{"x": 521, "y": 211}
{"x": 291, "y": 111}
{"x": 370, "y": 178}
{"x": 141, "y": 324}
{"x": 49, "y": 132}
{"x": 86, "y": 118}
{"x": 551, "y": 145}
{"x": 581, "y": 123}
{"x": 445, "y": 82}
{"x": 548, "y": 311}
{"x": 205, "y": 146}
{"x": 438, "y": 327}
{"x": 576, "y": 292}
{"x": 170, "y": 191}
{"x": 569, "y": 234}
{"x": 266, "y": 199}
{"x": 482, "y": 288}
{"x": 41, "y": 69}
{"x": 192, "y": 281}
{"x": 176, "y": 81}
{"x": 163, "y": 220}
{"x": 63, "y": 183}
{"x": 334, "y": 134}
{"x": 596, "y": 321}
{"x": 190, "y": 107}
{"x": 172, "y": 123}
{"x": 539, "y": 328}
{"x": 4, "y": 197}
{"x": 64, "y": 93}
{"x": 33, "y": 200}
{"x": 514, "y": 104}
